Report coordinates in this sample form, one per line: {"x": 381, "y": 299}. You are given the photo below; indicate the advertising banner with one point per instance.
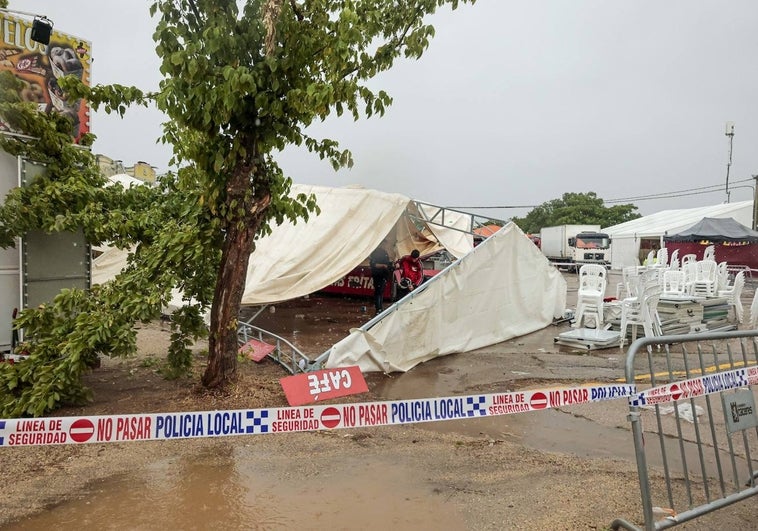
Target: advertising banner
{"x": 39, "y": 67}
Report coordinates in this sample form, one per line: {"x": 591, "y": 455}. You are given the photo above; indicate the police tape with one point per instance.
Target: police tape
{"x": 187, "y": 425}
{"x": 699, "y": 386}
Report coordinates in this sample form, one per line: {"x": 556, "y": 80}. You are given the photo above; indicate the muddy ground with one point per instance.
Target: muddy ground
{"x": 559, "y": 469}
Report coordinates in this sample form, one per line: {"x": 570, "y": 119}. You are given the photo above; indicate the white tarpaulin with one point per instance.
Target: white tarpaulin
{"x": 108, "y": 264}
{"x": 298, "y": 259}
{"x": 302, "y": 258}
{"x": 503, "y": 289}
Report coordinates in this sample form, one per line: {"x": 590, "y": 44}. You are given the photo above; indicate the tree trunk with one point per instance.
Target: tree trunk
{"x": 230, "y": 283}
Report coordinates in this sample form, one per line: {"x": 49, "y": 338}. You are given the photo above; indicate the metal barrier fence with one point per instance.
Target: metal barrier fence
{"x": 695, "y": 430}
{"x": 285, "y": 353}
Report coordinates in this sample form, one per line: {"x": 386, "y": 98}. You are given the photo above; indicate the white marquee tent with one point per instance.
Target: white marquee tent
{"x": 626, "y": 237}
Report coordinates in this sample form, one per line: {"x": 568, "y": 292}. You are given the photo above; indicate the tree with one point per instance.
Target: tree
{"x": 240, "y": 85}
{"x": 575, "y": 208}
{"x": 64, "y": 337}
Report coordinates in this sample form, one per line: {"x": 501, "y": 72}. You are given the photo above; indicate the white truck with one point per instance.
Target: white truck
{"x": 574, "y": 245}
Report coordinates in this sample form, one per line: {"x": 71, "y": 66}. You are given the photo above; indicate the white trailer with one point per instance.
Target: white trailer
{"x": 40, "y": 265}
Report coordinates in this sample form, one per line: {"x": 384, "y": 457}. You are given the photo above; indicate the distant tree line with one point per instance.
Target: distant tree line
{"x": 575, "y": 209}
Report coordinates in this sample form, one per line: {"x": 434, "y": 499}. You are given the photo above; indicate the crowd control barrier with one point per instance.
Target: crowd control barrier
{"x": 695, "y": 428}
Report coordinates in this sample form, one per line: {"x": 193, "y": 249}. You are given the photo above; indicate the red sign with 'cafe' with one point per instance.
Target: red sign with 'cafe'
{"x": 323, "y": 385}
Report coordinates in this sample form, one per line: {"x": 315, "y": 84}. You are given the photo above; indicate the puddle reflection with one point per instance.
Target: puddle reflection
{"x": 233, "y": 492}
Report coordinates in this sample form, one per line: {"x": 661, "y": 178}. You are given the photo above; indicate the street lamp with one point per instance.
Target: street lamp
{"x": 42, "y": 27}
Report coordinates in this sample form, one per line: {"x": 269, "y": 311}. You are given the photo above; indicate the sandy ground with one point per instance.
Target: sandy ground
{"x": 400, "y": 477}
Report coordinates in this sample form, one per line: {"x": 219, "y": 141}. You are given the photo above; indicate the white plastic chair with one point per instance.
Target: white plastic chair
{"x": 733, "y": 295}
{"x": 662, "y": 257}
{"x": 673, "y": 283}
{"x": 754, "y": 311}
{"x": 629, "y": 278}
{"x": 722, "y": 276}
{"x": 650, "y": 260}
{"x": 710, "y": 253}
{"x": 642, "y": 310}
{"x": 592, "y": 284}
{"x": 674, "y": 263}
{"x": 690, "y": 276}
{"x": 688, "y": 258}
{"x": 706, "y": 283}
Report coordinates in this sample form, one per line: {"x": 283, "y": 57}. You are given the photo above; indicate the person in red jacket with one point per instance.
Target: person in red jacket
{"x": 411, "y": 272}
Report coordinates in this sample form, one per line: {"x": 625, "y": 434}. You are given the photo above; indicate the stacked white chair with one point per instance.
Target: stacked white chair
{"x": 592, "y": 283}
{"x": 690, "y": 276}
{"x": 733, "y": 295}
{"x": 674, "y": 263}
{"x": 754, "y": 311}
{"x": 710, "y": 253}
{"x": 706, "y": 281}
{"x": 673, "y": 283}
{"x": 722, "y": 276}
{"x": 688, "y": 258}
{"x": 662, "y": 257}
{"x": 642, "y": 309}
{"x": 629, "y": 277}
{"x": 650, "y": 260}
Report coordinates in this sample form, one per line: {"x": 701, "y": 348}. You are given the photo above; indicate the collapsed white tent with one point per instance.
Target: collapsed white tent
{"x": 297, "y": 259}
{"x": 300, "y": 258}
{"x": 503, "y": 289}
{"x": 626, "y": 237}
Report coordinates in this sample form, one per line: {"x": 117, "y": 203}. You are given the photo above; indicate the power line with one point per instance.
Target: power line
{"x": 663, "y": 195}
{"x": 685, "y": 192}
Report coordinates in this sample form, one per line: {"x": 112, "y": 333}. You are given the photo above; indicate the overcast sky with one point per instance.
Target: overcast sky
{"x": 514, "y": 103}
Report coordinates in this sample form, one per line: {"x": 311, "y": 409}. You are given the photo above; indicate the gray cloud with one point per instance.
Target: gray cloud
{"x": 515, "y": 102}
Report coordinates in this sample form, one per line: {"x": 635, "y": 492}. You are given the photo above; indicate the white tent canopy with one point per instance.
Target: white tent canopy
{"x": 626, "y": 236}
{"x": 503, "y": 289}
{"x": 125, "y": 180}
{"x": 301, "y": 258}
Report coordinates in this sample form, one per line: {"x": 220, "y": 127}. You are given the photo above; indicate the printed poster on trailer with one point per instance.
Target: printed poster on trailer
{"x": 39, "y": 67}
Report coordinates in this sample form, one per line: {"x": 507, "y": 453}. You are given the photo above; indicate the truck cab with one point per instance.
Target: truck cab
{"x": 591, "y": 248}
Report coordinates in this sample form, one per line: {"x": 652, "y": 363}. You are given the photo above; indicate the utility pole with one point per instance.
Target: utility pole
{"x": 755, "y": 202}
{"x": 730, "y": 134}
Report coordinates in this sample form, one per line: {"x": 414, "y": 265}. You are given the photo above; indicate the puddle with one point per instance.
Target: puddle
{"x": 244, "y": 491}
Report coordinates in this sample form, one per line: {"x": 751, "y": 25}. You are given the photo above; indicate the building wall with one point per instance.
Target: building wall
{"x": 142, "y": 170}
